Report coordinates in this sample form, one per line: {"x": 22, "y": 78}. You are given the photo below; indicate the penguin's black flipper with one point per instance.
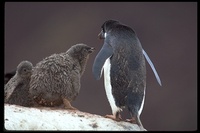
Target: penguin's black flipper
{"x": 105, "y": 52}
{"x": 152, "y": 66}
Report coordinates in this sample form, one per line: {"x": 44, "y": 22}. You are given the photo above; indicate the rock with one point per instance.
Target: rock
{"x": 44, "y": 118}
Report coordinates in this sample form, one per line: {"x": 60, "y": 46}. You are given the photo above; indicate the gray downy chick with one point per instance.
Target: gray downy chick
{"x": 56, "y": 79}
{"x": 16, "y": 91}
{"x": 8, "y": 76}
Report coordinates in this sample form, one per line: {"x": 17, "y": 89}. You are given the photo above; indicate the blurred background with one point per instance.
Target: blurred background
{"x": 167, "y": 31}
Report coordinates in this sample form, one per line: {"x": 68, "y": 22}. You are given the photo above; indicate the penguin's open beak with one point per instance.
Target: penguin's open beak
{"x": 101, "y": 35}
{"x": 92, "y": 49}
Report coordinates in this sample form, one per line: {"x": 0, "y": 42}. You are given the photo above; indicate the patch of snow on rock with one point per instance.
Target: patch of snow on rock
{"x": 43, "y": 118}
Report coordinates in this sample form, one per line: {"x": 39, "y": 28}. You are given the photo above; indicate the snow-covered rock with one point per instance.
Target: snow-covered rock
{"x": 43, "y": 118}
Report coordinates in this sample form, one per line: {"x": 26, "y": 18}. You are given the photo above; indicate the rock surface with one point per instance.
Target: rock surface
{"x": 43, "y": 118}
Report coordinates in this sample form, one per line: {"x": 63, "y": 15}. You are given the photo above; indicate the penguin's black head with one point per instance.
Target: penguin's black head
{"x": 24, "y": 69}
{"x": 108, "y": 25}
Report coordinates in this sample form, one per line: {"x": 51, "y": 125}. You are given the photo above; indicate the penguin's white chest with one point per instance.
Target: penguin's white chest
{"x": 108, "y": 87}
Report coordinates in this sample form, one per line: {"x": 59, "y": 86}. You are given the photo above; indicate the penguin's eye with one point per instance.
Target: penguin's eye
{"x": 25, "y": 70}
{"x": 103, "y": 30}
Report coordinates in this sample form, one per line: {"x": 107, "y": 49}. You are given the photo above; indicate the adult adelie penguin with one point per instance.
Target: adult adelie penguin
{"x": 122, "y": 59}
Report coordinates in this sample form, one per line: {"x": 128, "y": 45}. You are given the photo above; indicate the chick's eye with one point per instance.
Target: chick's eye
{"x": 24, "y": 70}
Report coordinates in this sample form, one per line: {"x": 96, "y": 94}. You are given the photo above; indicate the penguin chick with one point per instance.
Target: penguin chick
{"x": 8, "y": 76}
{"x": 16, "y": 89}
{"x": 121, "y": 57}
{"x": 56, "y": 79}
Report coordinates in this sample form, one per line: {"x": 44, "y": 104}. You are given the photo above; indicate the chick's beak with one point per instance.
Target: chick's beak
{"x": 91, "y": 49}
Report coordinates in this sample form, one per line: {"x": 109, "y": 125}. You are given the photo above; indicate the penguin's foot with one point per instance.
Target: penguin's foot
{"x": 71, "y": 108}
{"x": 131, "y": 120}
{"x": 67, "y": 104}
{"x": 118, "y": 118}
{"x": 136, "y": 120}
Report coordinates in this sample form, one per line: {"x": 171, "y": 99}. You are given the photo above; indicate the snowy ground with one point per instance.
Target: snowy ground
{"x": 23, "y": 118}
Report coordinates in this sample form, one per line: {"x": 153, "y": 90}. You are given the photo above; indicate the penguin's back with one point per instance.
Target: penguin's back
{"x": 128, "y": 71}
{"x": 54, "y": 77}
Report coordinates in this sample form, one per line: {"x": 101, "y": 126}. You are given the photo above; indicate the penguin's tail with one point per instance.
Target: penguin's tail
{"x": 138, "y": 122}
{"x": 133, "y": 102}
{"x": 135, "y": 118}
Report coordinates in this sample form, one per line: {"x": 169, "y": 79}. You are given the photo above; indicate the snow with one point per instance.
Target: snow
{"x": 43, "y": 118}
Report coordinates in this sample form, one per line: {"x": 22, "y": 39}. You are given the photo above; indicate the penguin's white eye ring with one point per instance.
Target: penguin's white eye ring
{"x": 105, "y": 34}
